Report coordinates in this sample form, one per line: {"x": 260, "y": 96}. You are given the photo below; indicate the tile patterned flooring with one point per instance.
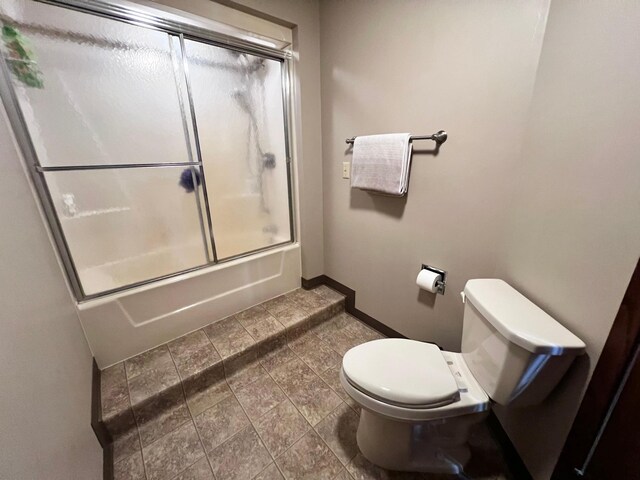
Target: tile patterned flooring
{"x": 281, "y": 415}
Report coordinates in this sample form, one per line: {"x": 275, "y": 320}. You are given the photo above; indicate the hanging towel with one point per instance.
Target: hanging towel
{"x": 380, "y": 163}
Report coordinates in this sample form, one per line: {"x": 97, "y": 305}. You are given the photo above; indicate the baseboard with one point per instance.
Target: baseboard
{"x": 96, "y": 409}
{"x": 350, "y": 304}
{"x": 516, "y": 466}
{"x": 107, "y": 463}
{"x": 99, "y": 428}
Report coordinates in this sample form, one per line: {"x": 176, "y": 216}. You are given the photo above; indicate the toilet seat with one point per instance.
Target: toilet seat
{"x": 401, "y": 372}
{"x": 371, "y": 395}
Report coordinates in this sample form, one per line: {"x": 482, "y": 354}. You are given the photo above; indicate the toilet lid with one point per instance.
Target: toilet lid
{"x": 402, "y": 372}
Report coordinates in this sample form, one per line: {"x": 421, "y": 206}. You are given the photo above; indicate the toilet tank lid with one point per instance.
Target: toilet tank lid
{"x": 519, "y": 320}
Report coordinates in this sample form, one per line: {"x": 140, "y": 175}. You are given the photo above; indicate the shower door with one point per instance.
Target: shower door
{"x": 239, "y": 115}
{"x": 153, "y": 153}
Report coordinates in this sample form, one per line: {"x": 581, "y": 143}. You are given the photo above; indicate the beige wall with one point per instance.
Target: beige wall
{"x": 45, "y": 363}
{"x": 303, "y": 16}
{"x": 573, "y": 236}
{"x": 539, "y": 182}
{"x": 466, "y": 67}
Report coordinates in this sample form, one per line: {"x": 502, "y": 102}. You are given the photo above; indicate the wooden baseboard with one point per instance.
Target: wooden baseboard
{"x": 101, "y": 432}
{"x": 350, "y": 304}
{"x": 96, "y": 409}
{"x": 107, "y": 463}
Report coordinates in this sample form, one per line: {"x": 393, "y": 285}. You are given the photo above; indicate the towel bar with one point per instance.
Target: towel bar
{"x": 439, "y": 137}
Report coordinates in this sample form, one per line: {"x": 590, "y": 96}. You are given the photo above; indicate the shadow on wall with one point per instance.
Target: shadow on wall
{"x": 562, "y": 399}
{"x": 427, "y": 298}
{"x": 386, "y": 205}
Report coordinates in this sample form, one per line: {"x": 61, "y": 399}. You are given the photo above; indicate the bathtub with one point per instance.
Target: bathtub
{"x": 127, "y": 323}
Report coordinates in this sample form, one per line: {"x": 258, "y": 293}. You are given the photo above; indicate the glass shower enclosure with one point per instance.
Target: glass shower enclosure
{"x": 157, "y": 148}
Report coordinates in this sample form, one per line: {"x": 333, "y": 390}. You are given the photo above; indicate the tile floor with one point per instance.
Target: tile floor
{"x": 137, "y": 392}
{"x": 283, "y": 416}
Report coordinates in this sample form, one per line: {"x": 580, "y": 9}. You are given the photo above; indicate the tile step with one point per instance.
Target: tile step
{"x": 150, "y": 387}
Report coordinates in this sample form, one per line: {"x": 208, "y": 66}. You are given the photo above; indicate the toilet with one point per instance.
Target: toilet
{"x": 419, "y": 402}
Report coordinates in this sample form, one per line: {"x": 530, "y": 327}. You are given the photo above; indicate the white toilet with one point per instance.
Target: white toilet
{"x": 419, "y": 403}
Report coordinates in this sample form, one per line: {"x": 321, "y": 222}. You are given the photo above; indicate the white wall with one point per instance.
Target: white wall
{"x": 45, "y": 363}
{"x": 573, "y": 236}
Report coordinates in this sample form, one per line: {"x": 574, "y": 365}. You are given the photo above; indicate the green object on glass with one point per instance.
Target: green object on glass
{"x": 21, "y": 59}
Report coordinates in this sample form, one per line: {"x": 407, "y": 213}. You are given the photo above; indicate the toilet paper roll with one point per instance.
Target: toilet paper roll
{"x": 427, "y": 280}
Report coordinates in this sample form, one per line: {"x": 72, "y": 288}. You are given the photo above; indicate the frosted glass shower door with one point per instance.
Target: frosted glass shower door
{"x": 239, "y": 111}
{"x": 109, "y": 93}
{"x": 127, "y": 226}
{"x": 110, "y": 126}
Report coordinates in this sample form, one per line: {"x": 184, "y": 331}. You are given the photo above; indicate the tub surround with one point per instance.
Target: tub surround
{"x": 126, "y": 324}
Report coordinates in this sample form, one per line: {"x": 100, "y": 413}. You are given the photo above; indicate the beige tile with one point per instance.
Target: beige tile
{"x": 316, "y": 353}
{"x": 198, "y": 471}
{"x": 126, "y": 445}
{"x": 120, "y": 422}
{"x": 306, "y": 299}
{"x": 131, "y": 468}
{"x": 259, "y": 397}
{"x": 270, "y": 473}
{"x": 149, "y": 360}
{"x": 220, "y": 422}
{"x": 277, "y": 305}
{"x": 338, "y": 430}
{"x": 114, "y": 392}
{"x": 343, "y": 475}
{"x": 292, "y": 316}
{"x": 265, "y": 328}
{"x": 332, "y": 378}
{"x": 328, "y": 293}
{"x": 113, "y": 375}
{"x": 206, "y": 390}
{"x": 309, "y": 458}
{"x": 292, "y": 375}
{"x": 229, "y": 337}
{"x": 315, "y": 400}
{"x": 251, "y": 315}
{"x": 153, "y": 382}
{"x": 243, "y": 370}
{"x": 341, "y": 342}
{"x": 161, "y": 416}
{"x": 281, "y": 427}
{"x": 241, "y": 457}
{"x": 173, "y": 453}
{"x": 362, "y": 332}
{"x": 193, "y": 353}
{"x": 275, "y": 354}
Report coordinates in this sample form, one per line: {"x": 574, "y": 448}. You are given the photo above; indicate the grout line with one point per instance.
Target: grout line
{"x": 137, "y": 427}
{"x": 251, "y": 421}
{"x": 193, "y": 422}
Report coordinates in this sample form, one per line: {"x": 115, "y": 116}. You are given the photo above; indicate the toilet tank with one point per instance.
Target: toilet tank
{"x": 516, "y": 351}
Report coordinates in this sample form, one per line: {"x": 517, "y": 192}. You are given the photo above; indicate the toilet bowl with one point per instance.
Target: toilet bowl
{"x": 419, "y": 402}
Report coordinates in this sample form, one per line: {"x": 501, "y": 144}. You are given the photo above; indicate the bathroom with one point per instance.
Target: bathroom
{"x": 537, "y": 184}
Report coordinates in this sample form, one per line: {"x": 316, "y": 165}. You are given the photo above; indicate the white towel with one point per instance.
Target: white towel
{"x": 380, "y": 163}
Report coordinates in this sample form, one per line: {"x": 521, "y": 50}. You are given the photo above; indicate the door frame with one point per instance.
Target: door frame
{"x": 614, "y": 360}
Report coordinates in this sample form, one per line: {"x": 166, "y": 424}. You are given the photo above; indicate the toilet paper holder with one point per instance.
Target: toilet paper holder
{"x": 441, "y": 284}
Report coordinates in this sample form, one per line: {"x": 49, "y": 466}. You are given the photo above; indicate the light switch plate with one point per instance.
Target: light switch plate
{"x": 346, "y": 170}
